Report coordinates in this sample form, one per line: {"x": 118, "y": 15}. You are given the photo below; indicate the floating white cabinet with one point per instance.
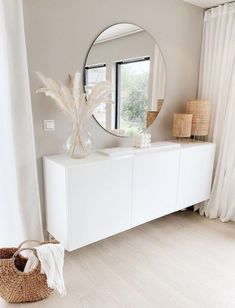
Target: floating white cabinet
{"x": 96, "y": 197}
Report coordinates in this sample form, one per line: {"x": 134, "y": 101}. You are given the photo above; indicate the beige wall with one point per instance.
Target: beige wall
{"x": 59, "y": 33}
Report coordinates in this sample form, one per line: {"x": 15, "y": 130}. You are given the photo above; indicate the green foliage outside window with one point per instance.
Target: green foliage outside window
{"x": 134, "y": 89}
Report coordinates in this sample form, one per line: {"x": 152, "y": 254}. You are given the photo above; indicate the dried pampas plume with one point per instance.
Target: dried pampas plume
{"x": 77, "y": 105}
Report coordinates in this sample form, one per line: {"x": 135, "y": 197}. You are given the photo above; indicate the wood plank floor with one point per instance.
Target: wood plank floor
{"x": 181, "y": 260}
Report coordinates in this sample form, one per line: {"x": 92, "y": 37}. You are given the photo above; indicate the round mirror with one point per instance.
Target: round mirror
{"x": 128, "y": 56}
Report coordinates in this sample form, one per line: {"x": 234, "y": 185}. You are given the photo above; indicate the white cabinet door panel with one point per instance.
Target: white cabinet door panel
{"x": 99, "y": 200}
{"x": 155, "y": 181}
{"x": 196, "y": 167}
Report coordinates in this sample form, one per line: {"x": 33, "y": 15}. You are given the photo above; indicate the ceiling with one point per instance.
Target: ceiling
{"x": 207, "y": 3}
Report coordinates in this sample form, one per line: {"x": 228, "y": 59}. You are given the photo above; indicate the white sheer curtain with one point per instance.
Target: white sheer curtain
{"x": 217, "y": 84}
{"x": 159, "y": 78}
{"x": 19, "y": 197}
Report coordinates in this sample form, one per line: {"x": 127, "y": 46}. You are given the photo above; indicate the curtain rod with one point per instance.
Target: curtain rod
{"x": 212, "y": 7}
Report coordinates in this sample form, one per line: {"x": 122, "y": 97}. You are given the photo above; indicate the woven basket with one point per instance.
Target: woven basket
{"x": 182, "y": 124}
{"x": 200, "y": 109}
{"x": 17, "y": 286}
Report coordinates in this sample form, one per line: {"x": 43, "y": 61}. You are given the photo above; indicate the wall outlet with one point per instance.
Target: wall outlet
{"x": 49, "y": 125}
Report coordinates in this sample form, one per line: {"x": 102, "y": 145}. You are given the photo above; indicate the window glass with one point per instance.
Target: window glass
{"x": 94, "y": 75}
{"x": 132, "y": 98}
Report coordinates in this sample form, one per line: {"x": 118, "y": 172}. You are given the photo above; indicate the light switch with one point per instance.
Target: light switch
{"x": 49, "y": 125}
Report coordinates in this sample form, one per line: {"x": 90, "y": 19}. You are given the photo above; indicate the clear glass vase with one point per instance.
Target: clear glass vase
{"x": 78, "y": 145}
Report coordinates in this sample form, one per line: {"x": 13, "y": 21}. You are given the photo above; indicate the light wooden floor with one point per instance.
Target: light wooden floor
{"x": 182, "y": 260}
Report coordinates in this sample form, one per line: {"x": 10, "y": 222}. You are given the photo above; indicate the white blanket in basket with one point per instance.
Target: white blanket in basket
{"x": 51, "y": 257}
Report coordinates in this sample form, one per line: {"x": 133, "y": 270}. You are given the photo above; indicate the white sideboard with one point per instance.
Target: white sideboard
{"x": 90, "y": 199}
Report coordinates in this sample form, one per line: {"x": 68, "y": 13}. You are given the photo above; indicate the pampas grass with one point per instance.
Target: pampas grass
{"x": 77, "y": 105}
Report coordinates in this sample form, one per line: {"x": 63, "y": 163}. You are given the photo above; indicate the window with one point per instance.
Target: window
{"x": 132, "y": 90}
{"x": 93, "y": 75}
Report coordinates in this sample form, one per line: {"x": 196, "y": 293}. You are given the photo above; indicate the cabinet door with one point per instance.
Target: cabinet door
{"x": 196, "y": 167}
{"x": 99, "y": 200}
{"x": 155, "y": 178}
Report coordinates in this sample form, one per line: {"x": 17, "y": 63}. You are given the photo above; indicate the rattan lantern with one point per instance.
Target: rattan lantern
{"x": 182, "y": 125}
{"x": 200, "y": 109}
{"x": 151, "y": 117}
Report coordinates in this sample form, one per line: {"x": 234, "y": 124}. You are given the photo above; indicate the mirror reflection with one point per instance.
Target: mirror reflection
{"x": 127, "y": 56}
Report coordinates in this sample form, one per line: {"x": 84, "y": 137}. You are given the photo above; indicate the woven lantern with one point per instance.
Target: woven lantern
{"x": 151, "y": 117}
{"x": 200, "y": 109}
{"x": 182, "y": 125}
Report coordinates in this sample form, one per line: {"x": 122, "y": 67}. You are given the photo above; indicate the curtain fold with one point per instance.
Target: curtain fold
{"x": 159, "y": 78}
{"x": 20, "y": 216}
{"x": 217, "y": 84}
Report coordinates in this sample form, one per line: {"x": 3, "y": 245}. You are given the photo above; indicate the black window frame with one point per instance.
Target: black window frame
{"x": 117, "y": 81}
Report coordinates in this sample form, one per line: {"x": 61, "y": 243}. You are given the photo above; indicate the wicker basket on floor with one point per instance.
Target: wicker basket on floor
{"x": 17, "y": 286}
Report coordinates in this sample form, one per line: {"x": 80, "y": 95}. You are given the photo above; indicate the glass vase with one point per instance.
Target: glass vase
{"x": 78, "y": 145}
